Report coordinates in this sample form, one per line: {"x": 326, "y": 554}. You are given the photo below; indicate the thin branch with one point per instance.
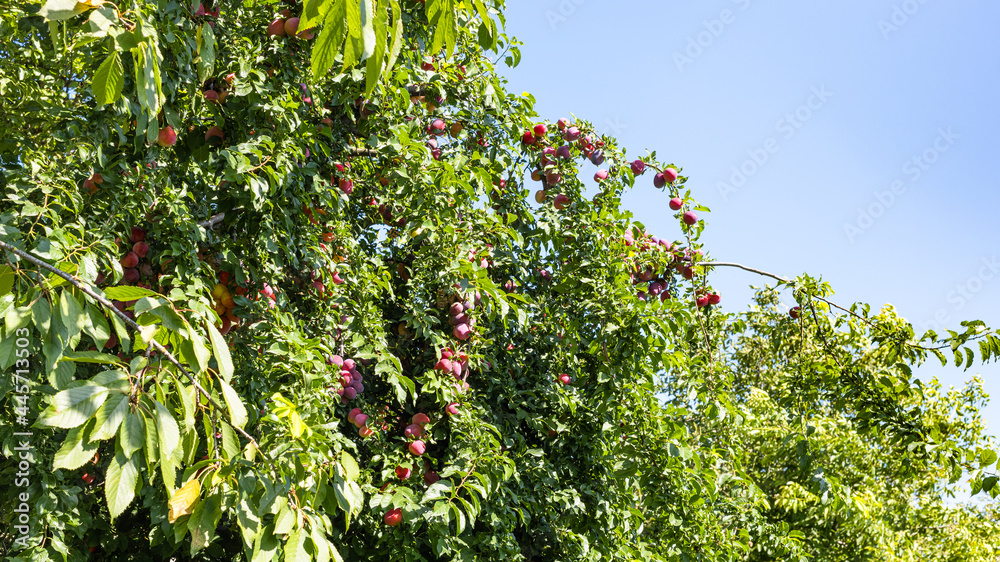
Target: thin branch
{"x": 131, "y": 324}
{"x": 867, "y": 321}
{"x": 741, "y": 266}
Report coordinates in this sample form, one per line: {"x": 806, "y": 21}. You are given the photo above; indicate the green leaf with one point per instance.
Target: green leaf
{"x": 397, "y": 35}
{"x": 988, "y": 483}
{"x": 125, "y": 293}
{"x": 206, "y": 52}
{"x": 97, "y": 328}
{"x": 167, "y": 431}
{"x": 230, "y": 443}
{"x": 987, "y": 457}
{"x": 71, "y": 314}
{"x": 295, "y": 548}
{"x": 351, "y": 469}
{"x": 374, "y": 69}
{"x": 204, "y": 521}
{"x": 221, "y": 351}
{"x": 108, "y": 80}
{"x": 132, "y": 435}
{"x": 70, "y": 408}
{"x": 91, "y": 357}
{"x": 368, "y": 38}
{"x": 331, "y": 37}
{"x": 74, "y": 453}
{"x": 101, "y": 20}
{"x": 120, "y": 485}
{"x": 57, "y": 10}
{"x": 441, "y": 14}
{"x": 313, "y": 12}
{"x": 110, "y": 416}
{"x": 17, "y": 317}
{"x": 7, "y": 278}
{"x": 237, "y": 411}
{"x": 285, "y": 521}
{"x": 353, "y": 46}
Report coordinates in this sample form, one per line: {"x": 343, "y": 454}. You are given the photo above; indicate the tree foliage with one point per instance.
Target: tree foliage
{"x": 279, "y": 291}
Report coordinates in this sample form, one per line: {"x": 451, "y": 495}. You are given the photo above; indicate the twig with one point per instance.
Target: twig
{"x": 131, "y": 324}
{"x": 867, "y": 321}
{"x": 750, "y": 269}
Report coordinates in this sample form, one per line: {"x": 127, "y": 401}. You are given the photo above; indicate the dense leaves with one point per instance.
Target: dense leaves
{"x": 276, "y": 288}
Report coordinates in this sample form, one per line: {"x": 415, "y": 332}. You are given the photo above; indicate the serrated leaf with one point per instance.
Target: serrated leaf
{"x": 183, "y": 501}
{"x": 74, "y": 453}
{"x": 167, "y": 431}
{"x": 206, "y": 51}
{"x": 126, "y": 293}
{"x": 397, "y": 36}
{"x": 73, "y": 406}
{"x": 132, "y": 434}
{"x": 285, "y": 521}
{"x": 374, "y": 69}
{"x": 108, "y": 81}
{"x": 331, "y": 37}
{"x": 119, "y": 487}
{"x": 367, "y": 19}
{"x": 91, "y": 357}
{"x": 295, "y": 548}
{"x": 110, "y": 416}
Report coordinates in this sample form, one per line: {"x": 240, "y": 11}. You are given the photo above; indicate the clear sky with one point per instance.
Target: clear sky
{"x": 853, "y": 140}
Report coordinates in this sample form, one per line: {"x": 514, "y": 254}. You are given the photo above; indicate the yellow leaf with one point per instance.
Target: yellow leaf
{"x": 184, "y": 499}
{"x": 89, "y": 4}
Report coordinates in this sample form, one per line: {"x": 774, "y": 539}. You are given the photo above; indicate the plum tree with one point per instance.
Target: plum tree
{"x": 249, "y": 342}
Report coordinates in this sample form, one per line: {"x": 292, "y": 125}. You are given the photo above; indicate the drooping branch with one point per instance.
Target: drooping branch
{"x": 741, "y": 266}
{"x": 134, "y": 326}
{"x": 777, "y": 277}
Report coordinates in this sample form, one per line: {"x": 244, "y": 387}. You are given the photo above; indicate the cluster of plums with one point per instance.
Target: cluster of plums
{"x": 225, "y": 303}
{"x": 351, "y": 380}
{"x": 341, "y": 178}
{"x": 216, "y": 91}
{"x": 285, "y": 25}
{"x": 459, "y": 307}
{"x": 456, "y": 364}
{"x": 680, "y": 262}
{"x": 134, "y": 262}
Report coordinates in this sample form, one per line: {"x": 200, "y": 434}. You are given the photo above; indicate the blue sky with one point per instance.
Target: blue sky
{"x": 852, "y": 140}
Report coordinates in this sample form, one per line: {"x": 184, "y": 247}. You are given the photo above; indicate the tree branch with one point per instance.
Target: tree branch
{"x": 131, "y": 324}
{"x": 213, "y": 221}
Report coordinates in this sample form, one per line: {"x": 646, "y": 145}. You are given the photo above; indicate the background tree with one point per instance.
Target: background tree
{"x": 263, "y": 303}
